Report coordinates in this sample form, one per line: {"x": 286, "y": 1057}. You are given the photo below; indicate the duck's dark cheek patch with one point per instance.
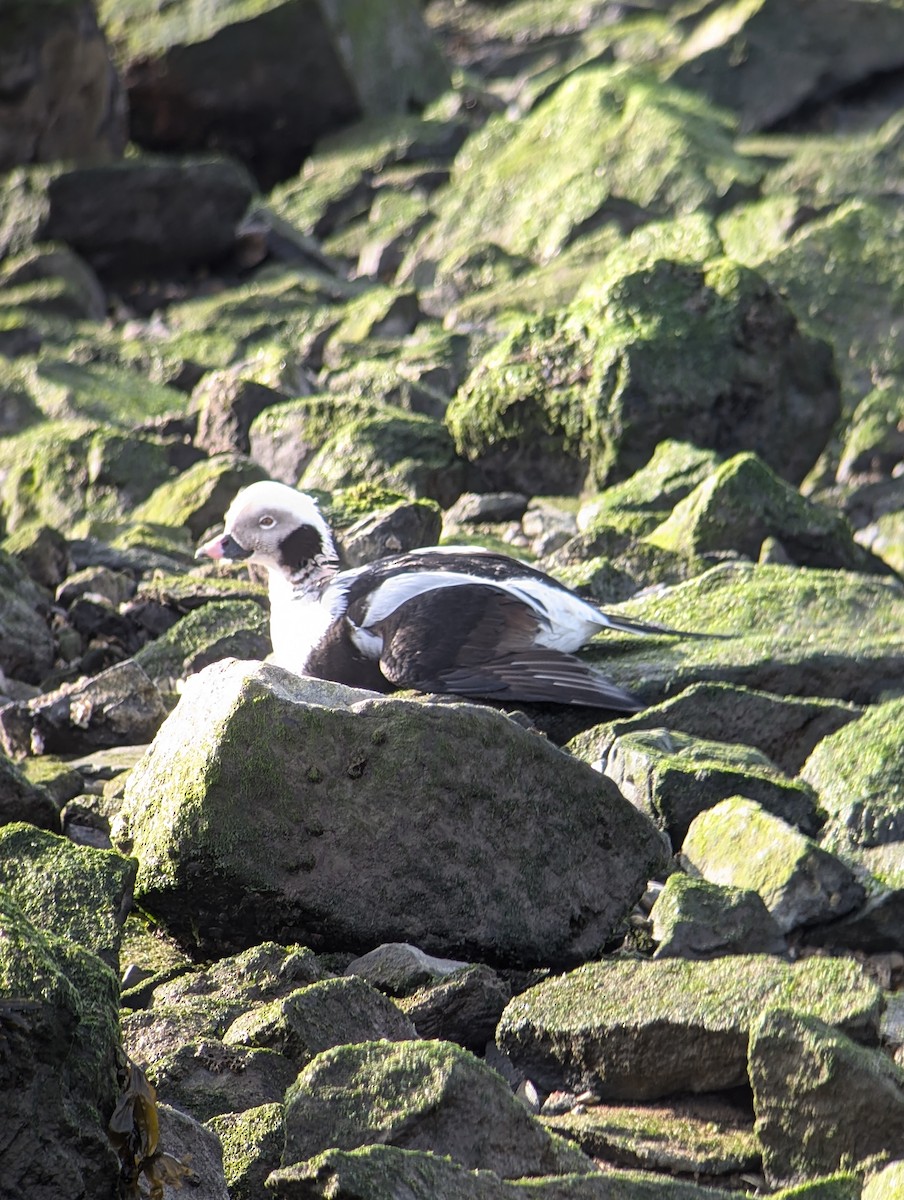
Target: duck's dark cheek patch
{"x": 300, "y": 546}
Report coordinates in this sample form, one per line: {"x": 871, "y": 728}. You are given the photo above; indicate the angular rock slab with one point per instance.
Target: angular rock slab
{"x": 823, "y": 1103}
{"x": 420, "y": 1096}
{"x": 637, "y": 1030}
{"x": 288, "y": 808}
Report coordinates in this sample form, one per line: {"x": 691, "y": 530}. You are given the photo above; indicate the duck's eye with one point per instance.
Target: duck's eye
{"x": 267, "y": 522}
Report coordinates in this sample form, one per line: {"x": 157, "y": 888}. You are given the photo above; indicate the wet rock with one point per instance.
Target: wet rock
{"x": 252, "y": 1144}
{"x": 601, "y": 1026}
{"x": 693, "y": 918}
{"x": 526, "y": 424}
{"x": 434, "y": 1096}
{"x": 59, "y": 1056}
{"x": 318, "y": 756}
{"x": 119, "y": 706}
{"x": 208, "y": 1077}
{"x": 227, "y": 404}
{"x": 788, "y": 66}
{"x": 333, "y": 1012}
{"x": 743, "y": 503}
{"x": 20, "y": 800}
{"x": 464, "y": 1007}
{"x": 398, "y": 969}
{"x": 740, "y": 844}
{"x": 784, "y": 728}
{"x": 64, "y": 100}
{"x": 391, "y": 530}
{"x": 198, "y": 1149}
{"x": 673, "y": 777}
{"x": 859, "y": 775}
{"x": 83, "y": 895}
{"x": 267, "y": 86}
{"x": 823, "y": 1103}
{"x": 26, "y": 646}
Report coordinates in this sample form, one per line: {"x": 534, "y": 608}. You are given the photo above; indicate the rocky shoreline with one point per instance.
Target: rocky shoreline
{"x": 615, "y": 288}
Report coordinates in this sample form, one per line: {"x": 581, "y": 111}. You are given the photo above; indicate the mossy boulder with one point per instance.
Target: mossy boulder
{"x": 586, "y": 395}
{"x": 602, "y": 1026}
{"x": 217, "y": 630}
{"x": 26, "y": 644}
{"x": 420, "y": 1096}
{"x": 274, "y": 803}
{"x": 23, "y": 800}
{"x": 207, "y": 1078}
{"x": 859, "y": 775}
{"x": 693, "y": 918}
{"x": 199, "y": 497}
{"x": 59, "y": 1005}
{"x": 823, "y": 1103}
{"x": 674, "y": 777}
{"x": 265, "y": 972}
{"x": 742, "y": 503}
{"x": 286, "y": 437}
{"x": 791, "y": 630}
{"x": 333, "y": 1012}
{"x": 252, "y": 1144}
{"x": 737, "y": 842}
{"x": 784, "y": 728}
{"x": 874, "y": 438}
{"x": 82, "y": 894}
{"x": 579, "y": 160}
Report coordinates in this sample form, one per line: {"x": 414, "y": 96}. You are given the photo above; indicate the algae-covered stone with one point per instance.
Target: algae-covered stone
{"x": 252, "y": 1147}
{"x": 885, "y": 1183}
{"x": 199, "y": 497}
{"x": 580, "y": 159}
{"x": 220, "y": 629}
{"x": 823, "y": 1103}
{"x": 58, "y": 1073}
{"x": 791, "y": 630}
{"x": 419, "y": 1096}
{"x": 285, "y": 437}
{"x": 678, "y": 1141}
{"x": 859, "y": 775}
{"x": 693, "y": 918}
{"x": 673, "y": 777}
{"x": 264, "y": 81}
{"x": 874, "y": 439}
{"x": 155, "y": 1034}
{"x": 634, "y": 1030}
{"x": 94, "y": 391}
{"x": 26, "y": 644}
{"x": 784, "y": 728}
{"x": 22, "y": 800}
{"x": 207, "y": 1078}
{"x": 81, "y": 894}
{"x": 265, "y": 972}
{"x": 463, "y": 1007}
{"x": 78, "y": 291}
{"x": 392, "y": 529}
{"x": 739, "y": 843}
{"x": 285, "y": 803}
{"x": 334, "y": 1012}
{"x": 743, "y": 503}
{"x": 659, "y": 350}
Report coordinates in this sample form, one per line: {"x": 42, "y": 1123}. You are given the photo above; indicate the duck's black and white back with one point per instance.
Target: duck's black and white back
{"x": 442, "y": 619}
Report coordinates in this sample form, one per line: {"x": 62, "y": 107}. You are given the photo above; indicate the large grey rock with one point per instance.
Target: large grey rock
{"x": 696, "y": 919}
{"x": 635, "y": 1030}
{"x": 341, "y": 819}
{"x": 738, "y": 843}
{"x": 859, "y": 775}
{"x": 433, "y": 1096}
{"x": 673, "y": 777}
{"x": 59, "y": 1054}
{"x": 823, "y": 1103}
{"x": 61, "y": 95}
{"x": 135, "y": 216}
{"x": 265, "y": 85}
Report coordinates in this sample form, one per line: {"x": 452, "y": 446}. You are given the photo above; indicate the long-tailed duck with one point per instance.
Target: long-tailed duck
{"x": 442, "y": 619}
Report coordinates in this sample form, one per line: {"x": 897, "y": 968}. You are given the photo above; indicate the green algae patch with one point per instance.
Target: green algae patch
{"x": 859, "y": 774}
{"x": 419, "y": 1095}
{"x": 266, "y": 796}
{"x": 81, "y": 893}
{"x": 219, "y": 629}
{"x": 252, "y": 1144}
{"x": 199, "y": 496}
{"x": 742, "y": 503}
{"x": 532, "y": 187}
{"x": 635, "y": 1030}
{"x": 693, "y": 918}
{"x": 104, "y": 392}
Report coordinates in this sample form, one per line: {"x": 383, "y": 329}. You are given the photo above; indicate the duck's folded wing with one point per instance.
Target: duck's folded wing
{"x": 478, "y": 640}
